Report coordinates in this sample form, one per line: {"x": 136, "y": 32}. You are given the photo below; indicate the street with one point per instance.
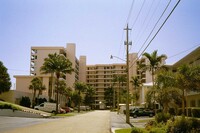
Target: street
{"x": 91, "y": 122}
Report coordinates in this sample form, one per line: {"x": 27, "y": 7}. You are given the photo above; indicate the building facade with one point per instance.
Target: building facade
{"x": 38, "y": 54}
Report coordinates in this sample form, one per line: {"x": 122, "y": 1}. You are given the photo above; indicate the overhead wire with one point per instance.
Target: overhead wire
{"x": 155, "y": 25}
{"x": 157, "y": 32}
{"x": 127, "y": 20}
{"x": 145, "y": 28}
{"x": 138, "y": 14}
{"x": 183, "y": 51}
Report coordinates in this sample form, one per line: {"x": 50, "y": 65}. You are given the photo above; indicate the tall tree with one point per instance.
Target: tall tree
{"x": 108, "y": 93}
{"x": 120, "y": 79}
{"x": 136, "y": 84}
{"x": 47, "y": 68}
{"x": 36, "y": 85}
{"x": 89, "y": 96}
{"x": 154, "y": 64}
{"x": 166, "y": 92}
{"x": 187, "y": 79}
{"x": 59, "y": 65}
{"x": 5, "y": 83}
{"x": 80, "y": 87}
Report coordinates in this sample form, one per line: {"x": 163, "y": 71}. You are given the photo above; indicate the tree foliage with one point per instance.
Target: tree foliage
{"x": 109, "y": 93}
{"x": 36, "y": 85}
{"x": 89, "y": 96}
{"x": 80, "y": 87}
{"x": 5, "y": 83}
{"x": 58, "y": 64}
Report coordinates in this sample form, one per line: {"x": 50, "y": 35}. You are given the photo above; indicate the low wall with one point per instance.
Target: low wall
{"x": 17, "y": 113}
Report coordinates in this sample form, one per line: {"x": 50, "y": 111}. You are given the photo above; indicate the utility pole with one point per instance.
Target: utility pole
{"x": 127, "y": 82}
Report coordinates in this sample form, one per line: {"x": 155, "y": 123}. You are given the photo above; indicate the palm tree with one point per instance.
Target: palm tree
{"x": 136, "y": 84}
{"x": 120, "y": 79}
{"x": 59, "y": 65}
{"x": 109, "y": 96}
{"x": 154, "y": 64}
{"x": 36, "y": 85}
{"x": 79, "y": 87}
{"x": 47, "y": 68}
{"x": 89, "y": 95}
{"x": 63, "y": 89}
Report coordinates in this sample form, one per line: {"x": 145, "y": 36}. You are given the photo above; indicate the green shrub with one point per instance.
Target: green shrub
{"x": 180, "y": 125}
{"x": 4, "y": 105}
{"x": 158, "y": 130}
{"x": 162, "y": 117}
{"x": 172, "y": 111}
{"x": 25, "y": 101}
{"x": 138, "y": 130}
{"x": 196, "y": 112}
{"x": 150, "y": 124}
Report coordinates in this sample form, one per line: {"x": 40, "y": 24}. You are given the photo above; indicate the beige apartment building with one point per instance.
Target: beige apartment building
{"x": 193, "y": 58}
{"x": 38, "y": 54}
{"x": 100, "y": 76}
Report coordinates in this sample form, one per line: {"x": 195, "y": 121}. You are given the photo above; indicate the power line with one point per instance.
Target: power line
{"x": 18, "y": 70}
{"x": 157, "y": 31}
{"x": 127, "y": 20}
{"x": 145, "y": 28}
{"x": 130, "y": 12}
{"x": 155, "y": 25}
{"x": 183, "y": 51}
{"x": 138, "y": 14}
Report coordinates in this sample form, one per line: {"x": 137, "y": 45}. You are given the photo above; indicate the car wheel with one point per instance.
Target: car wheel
{"x": 150, "y": 115}
{"x": 134, "y": 116}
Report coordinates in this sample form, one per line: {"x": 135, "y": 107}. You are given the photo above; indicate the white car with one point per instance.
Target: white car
{"x": 48, "y": 107}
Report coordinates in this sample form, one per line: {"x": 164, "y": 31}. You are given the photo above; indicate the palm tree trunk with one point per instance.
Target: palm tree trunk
{"x": 33, "y": 100}
{"x": 154, "y": 94}
{"x": 183, "y": 103}
{"x": 113, "y": 98}
{"x": 79, "y": 103}
{"x": 58, "y": 76}
{"x": 51, "y": 87}
{"x": 118, "y": 98}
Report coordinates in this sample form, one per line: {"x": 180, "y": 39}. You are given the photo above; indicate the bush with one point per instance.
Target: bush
{"x": 40, "y": 100}
{"x": 158, "y": 130}
{"x": 196, "y": 112}
{"x": 138, "y": 130}
{"x": 25, "y": 101}
{"x": 150, "y": 124}
{"x": 183, "y": 125}
{"x": 162, "y": 117}
{"x": 4, "y": 105}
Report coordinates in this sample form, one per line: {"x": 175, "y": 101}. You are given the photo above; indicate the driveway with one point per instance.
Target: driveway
{"x": 91, "y": 122}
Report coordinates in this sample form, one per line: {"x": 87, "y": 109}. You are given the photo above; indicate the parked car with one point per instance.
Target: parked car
{"x": 68, "y": 109}
{"x": 48, "y": 107}
{"x": 141, "y": 112}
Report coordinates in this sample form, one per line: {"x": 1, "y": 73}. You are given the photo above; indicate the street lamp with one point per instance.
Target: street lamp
{"x": 112, "y": 56}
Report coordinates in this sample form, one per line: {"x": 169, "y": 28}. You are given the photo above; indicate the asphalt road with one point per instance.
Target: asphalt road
{"x": 10, "y": 123}
{"x": 92, "y": 122}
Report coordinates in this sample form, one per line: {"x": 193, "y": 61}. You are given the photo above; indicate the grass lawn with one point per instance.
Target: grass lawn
{"x": 6, "y": 105}
{"x": 127, "y": 130}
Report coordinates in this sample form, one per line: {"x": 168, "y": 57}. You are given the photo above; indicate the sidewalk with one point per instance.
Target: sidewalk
{"x": 117, "y": 121}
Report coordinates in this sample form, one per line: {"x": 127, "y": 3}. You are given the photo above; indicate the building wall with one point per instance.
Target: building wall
{"x": 14, "y": 96}
{"x": 82, "y": 69}
{"x": 38, "y": 54}
{"x": 71, "y": 55}
{"x": 23, "y": 83}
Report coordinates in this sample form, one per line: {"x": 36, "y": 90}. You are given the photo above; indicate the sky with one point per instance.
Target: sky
{"x": 97, "y": 29}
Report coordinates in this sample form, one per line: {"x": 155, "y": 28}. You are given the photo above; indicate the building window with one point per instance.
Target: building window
{"x": 192, "y": 103}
